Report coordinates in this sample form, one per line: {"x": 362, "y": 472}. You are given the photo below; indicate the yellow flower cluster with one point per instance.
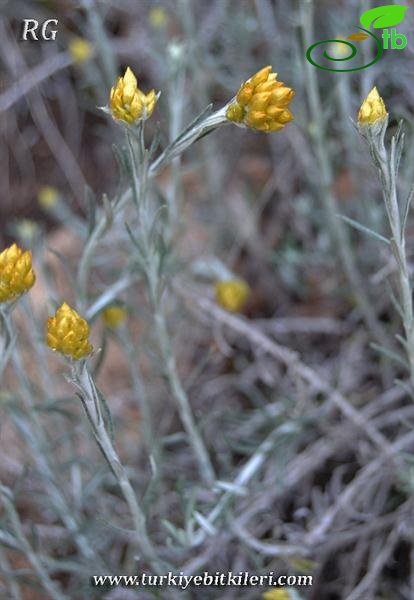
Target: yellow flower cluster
{"x": 262, "y": 102}
{"x": 68, "y": 333}
{"x": 16, "y": 273}
{"x": 128, "y": 103}
{"x": 372, "y": 109}
{"x": 232, "y": 294}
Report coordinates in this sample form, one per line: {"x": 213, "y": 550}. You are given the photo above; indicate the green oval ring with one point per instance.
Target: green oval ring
{"x": 377, "y": 57}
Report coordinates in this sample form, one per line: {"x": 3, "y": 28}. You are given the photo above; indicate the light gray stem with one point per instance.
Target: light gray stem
{"x": 388, "y": 176}
{"x": 337, "y": 230}
{"x": 161, "y": 328}
{"x": 92, "y": 406}
{"x": 186, "y": 415}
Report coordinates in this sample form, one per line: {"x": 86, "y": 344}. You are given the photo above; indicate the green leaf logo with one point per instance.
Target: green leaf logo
{"x": 383, "y": 16}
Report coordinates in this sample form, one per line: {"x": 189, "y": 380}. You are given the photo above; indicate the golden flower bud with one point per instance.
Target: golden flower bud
{"x": 261, "y": 102}
{"x": 113, "y": 315}
{"x": 128, "y": 103}
{"x": 68, "y": 333}
{"x": 372, "y": 109}
{"x": 231, "y": 294}
{"x": 16, "y": 273}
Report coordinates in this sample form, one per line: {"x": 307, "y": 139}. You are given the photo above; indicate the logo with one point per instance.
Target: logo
{"x": 31, "y": 27}
{"x": 382, "y": 17}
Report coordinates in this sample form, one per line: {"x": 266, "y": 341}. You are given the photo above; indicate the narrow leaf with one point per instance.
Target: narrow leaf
{"x": 393, "y": 356}
{"x": 394, "y": 301}
{"x": 406, "y": 211}
{"x": 122, "y": 160}
{"x": 90, "y": 209}
{"x": 396, "y": 252}
{"x": 155, "y": 142}
{"x": 366, "y": 230}
{"x": 109, "y": 214}
{"x": 199, "y": 119}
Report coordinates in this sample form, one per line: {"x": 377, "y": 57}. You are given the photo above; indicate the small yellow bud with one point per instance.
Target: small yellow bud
{"x": 114, "y": 315}
{"x": 16, "y": 273}
{"x": 261, "y": 103}
{"x": 157, "y": 17}
{"x": 68, "y": 333}
{"x": 372, "y": 109}
{"x": 128, "y": 103}
{"x": 276, "y": 594}
{"x": 47, "y": 196}
{"x": 231, "y": 294}
{"x": 80, "y": 50}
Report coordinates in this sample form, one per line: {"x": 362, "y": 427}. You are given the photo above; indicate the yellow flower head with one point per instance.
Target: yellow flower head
{"x": 157, "y": 17}
{"x": 276, "y": 594}
{"x": 372, "y": 109}
{"x": 68, "y": 333}
{"x": 231, "y": 294}
{"x": 262, "y": 102}
{"x": 79, "y": 49}
{"x": 114, "y": 315}
{"x": 16, "y": 273}
{"x": 47, "y": 196}
{"x": 127, "y": 102}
